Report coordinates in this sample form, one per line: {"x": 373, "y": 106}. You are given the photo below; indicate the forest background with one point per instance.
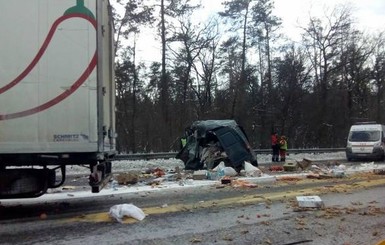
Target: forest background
{"x": 238, "y": 65}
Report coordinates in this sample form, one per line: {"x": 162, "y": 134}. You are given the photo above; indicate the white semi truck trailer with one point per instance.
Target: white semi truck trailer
{"x": 57, "y": 93}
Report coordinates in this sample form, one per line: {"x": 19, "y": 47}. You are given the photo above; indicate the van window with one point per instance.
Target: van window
{"x": 359, "y": 136}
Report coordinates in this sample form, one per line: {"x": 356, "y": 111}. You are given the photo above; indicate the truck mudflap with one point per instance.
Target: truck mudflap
{"x": 25, "y": 183}
{"x": 100, "y": 176}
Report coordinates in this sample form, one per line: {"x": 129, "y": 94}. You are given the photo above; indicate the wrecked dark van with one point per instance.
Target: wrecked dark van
{"x": 213, "y": 141}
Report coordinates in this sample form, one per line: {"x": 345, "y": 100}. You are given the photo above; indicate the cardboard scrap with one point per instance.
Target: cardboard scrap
{"x": 290, "y": 165}
{"x": 309, "y": 202}
{"x": 200, "y": 175}
{"x": 243, "y": 183}
{"x": 304, "y": 164}
{"x": 127, "y": 178}
{"x": 68, "y": 187}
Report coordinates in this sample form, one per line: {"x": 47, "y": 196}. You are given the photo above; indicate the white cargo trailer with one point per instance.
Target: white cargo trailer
{"x": 57, "y": 93}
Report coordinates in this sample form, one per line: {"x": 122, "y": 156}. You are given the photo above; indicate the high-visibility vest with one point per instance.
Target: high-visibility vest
{"x": 183, "y": 141}
{"x": 283, "y": 144}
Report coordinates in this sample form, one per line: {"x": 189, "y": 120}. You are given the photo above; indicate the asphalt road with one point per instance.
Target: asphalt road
{"x": 353, "y": 213}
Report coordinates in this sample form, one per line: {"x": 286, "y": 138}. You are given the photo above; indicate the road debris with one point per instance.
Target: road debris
{"x": 379, "y": 171}
{"x": 276, "y": 168}
{"x": 252, "y": 171}
{"x": 120, "y": 211}
{"x": 68, "y": 187}
{"x": 309, "y": 202}
{"x": 43, "y": 216}
{"x": 290, "y": 165}
{"x": 200, "y": 175}
{"x": 305, "y": 163}
{"x": 131, "y": 177}
{"x": 243, "y": 183}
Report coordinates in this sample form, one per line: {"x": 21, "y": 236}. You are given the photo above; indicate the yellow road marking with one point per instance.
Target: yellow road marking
{"x": 234, "y": 201}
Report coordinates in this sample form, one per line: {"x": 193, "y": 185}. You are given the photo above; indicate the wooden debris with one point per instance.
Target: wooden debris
{"x": 127, "y": 178}
{"x": 304, "y": 164}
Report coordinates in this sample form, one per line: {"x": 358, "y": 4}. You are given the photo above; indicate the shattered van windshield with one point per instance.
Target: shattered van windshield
{"x": 364, "y": 136}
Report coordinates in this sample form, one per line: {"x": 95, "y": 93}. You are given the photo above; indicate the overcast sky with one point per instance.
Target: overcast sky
{"x": 369, "y": 16}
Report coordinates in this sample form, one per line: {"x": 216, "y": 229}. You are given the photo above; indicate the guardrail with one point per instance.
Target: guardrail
{"x": 166, "y": 155}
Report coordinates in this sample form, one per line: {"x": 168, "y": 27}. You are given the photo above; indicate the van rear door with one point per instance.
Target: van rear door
{"x": 234, "y": 146}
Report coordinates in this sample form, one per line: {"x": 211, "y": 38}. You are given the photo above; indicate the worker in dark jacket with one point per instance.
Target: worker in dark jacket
{"x": 275, "y": 147}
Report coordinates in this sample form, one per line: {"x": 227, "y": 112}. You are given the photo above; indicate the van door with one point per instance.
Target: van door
{"x": 233, "y": 145}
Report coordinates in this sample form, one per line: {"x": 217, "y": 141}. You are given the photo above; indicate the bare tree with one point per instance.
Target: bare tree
{"x": 323, "y": 39}
{"x": 193, "y": 42}
{"x": 238, "y": 12}
{"x": 169, "y": 10}
{"x": 265, "y": 26}
{"x": 135, "y": 14}
{"x": 378, "y": 75}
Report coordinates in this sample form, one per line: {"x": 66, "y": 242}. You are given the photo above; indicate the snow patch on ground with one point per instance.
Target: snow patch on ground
{"x": 171, "y": 164}
{"x": 121, "y": 166}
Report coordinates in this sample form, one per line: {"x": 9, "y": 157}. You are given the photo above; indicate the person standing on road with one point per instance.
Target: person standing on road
{"x": 275, "y": 147}
{"x": 183, "y": 142}
{"x": 183, "y": 139}
{"x": 283, "y": 148}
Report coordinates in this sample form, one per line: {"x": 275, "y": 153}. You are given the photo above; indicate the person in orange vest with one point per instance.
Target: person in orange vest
{"x": 283, "y": 148}
{"x": 275, "y": 147}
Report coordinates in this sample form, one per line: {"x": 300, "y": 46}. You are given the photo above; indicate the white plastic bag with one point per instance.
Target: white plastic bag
{"x": 130, "y": 210}
{"x": 220, "y": 166}
{"x": 229, "y": 171}
{"x": 222, "y": 170}
{"x": 252, "y": 171}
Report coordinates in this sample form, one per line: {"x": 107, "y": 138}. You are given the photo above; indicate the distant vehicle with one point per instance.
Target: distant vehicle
{"x": 57, "y": 94}
{"x": 366, "y": 142}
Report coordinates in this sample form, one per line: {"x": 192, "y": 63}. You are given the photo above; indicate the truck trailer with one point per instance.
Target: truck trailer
{"x": 57, "y": 94}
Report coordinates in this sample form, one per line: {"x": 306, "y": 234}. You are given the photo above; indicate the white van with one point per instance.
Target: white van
{"x": 366, "y": 141}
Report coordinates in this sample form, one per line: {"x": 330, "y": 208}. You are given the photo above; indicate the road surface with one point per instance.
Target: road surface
{"x": 202, "y": 212}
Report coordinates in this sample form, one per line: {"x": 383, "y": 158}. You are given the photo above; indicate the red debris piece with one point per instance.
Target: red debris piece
{"x": 276, "y": 168}
{"x": 158, "y": 172}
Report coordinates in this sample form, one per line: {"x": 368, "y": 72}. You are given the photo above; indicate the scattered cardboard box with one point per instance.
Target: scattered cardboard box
{"x": 304, "y": 164}
{"x": 290, "y": 165}
{"x": 310, "y": 202}
{"x": 127, "y": 178}
{"x": 199, "y": 175}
